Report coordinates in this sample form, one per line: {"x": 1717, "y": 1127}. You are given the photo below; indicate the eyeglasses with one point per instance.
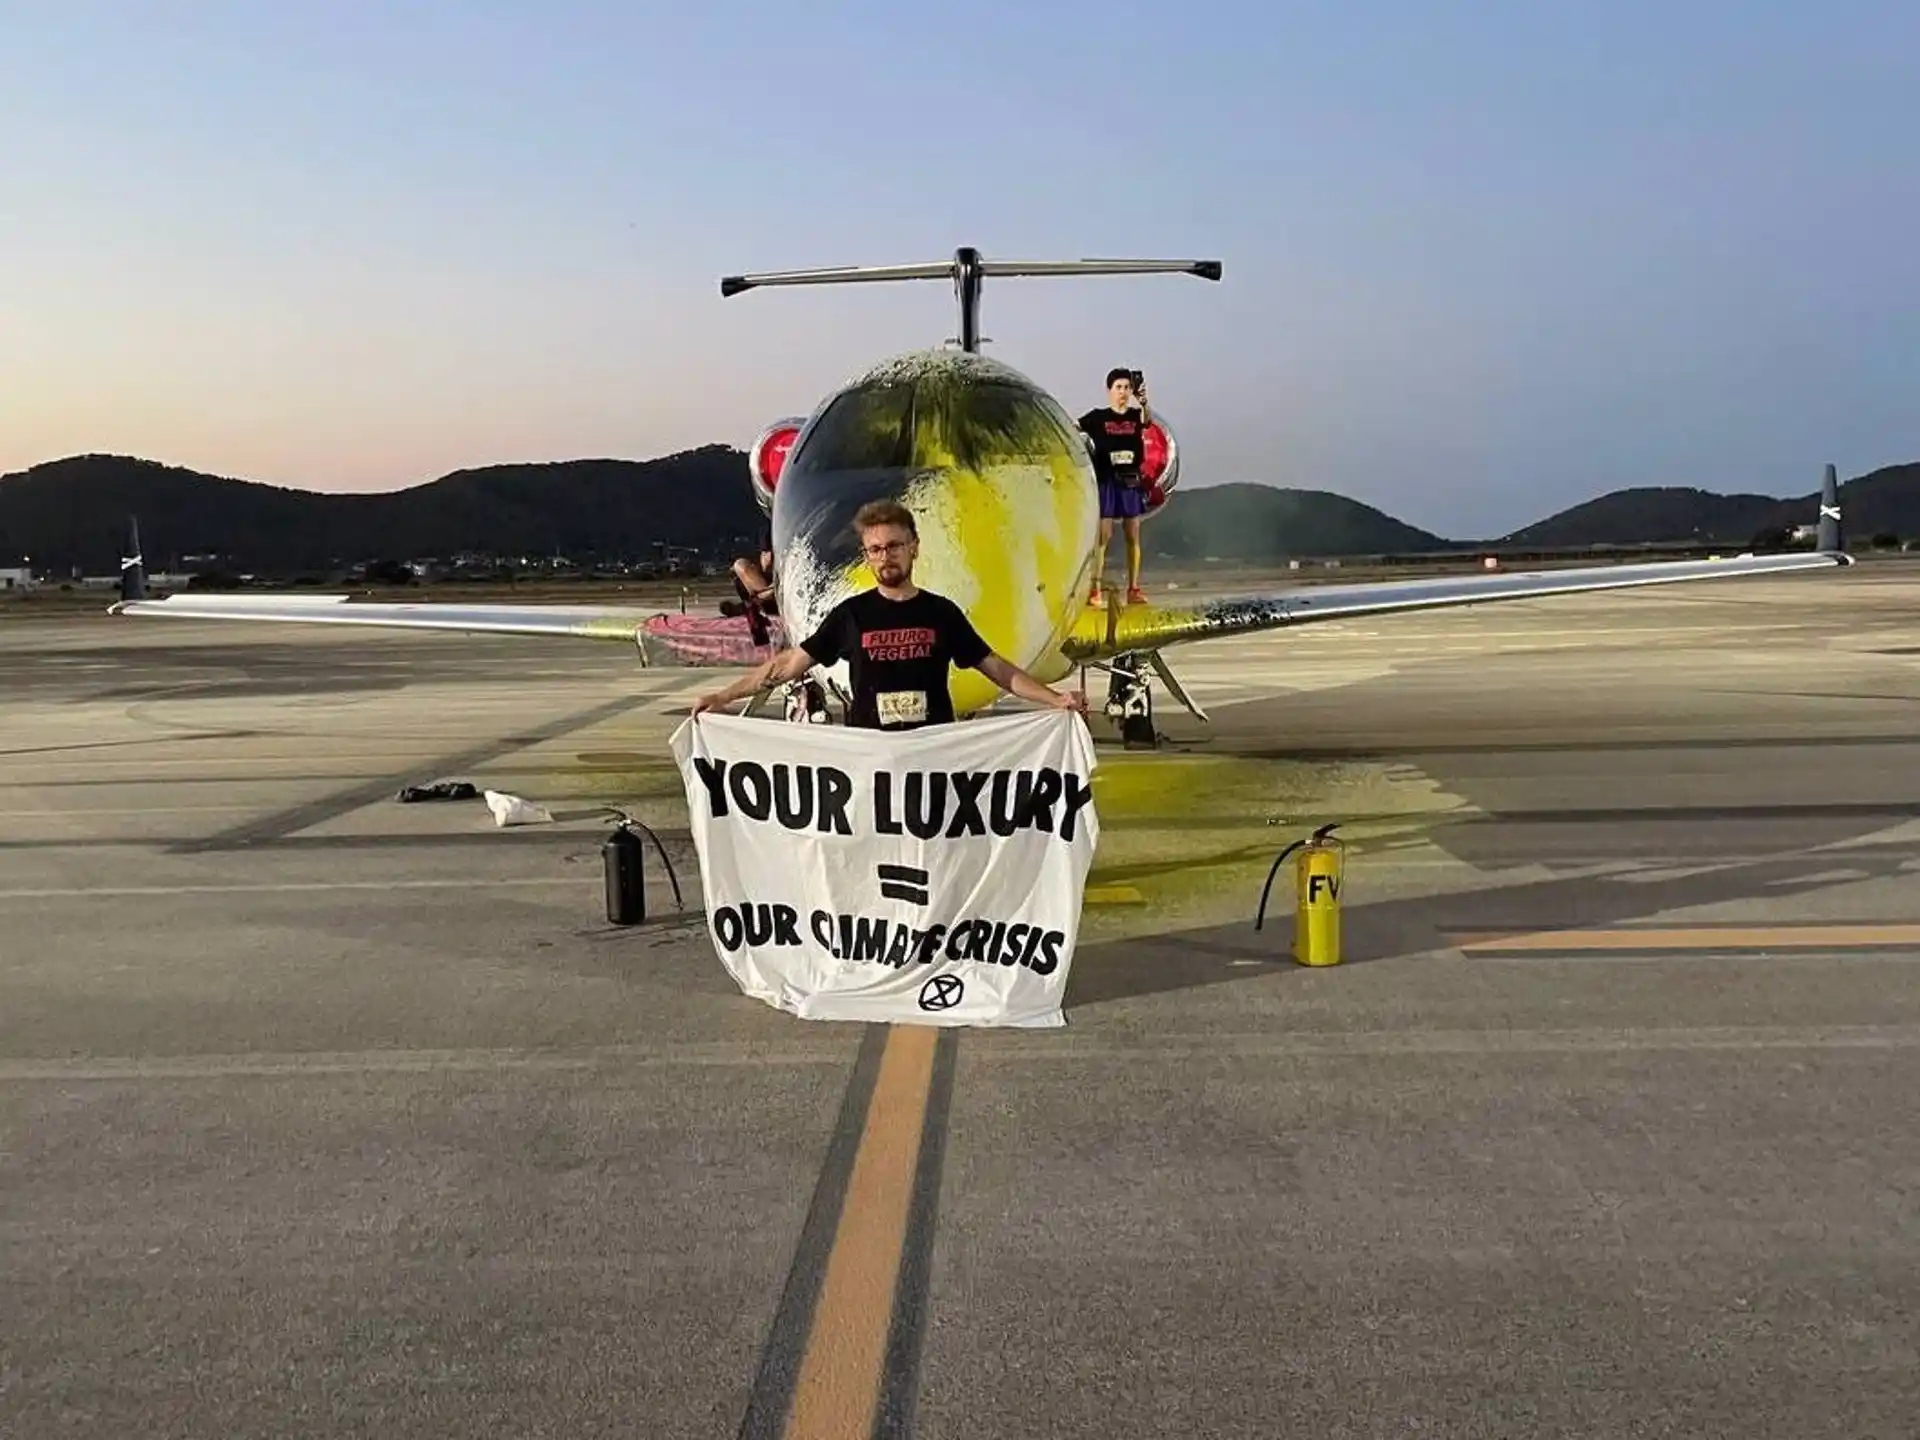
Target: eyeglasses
{"x": 892, "y": 547}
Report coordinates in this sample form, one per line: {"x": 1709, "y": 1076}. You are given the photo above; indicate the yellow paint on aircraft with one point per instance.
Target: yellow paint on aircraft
{"x": 1003, "y": 494}
{"x": 1006, "y": 537}
{"x": 1099, "y": 634}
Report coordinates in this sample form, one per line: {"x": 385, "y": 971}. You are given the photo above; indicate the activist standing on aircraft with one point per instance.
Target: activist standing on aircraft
{"x": 1119, "y": 435}
{"x": 897, "y": 640}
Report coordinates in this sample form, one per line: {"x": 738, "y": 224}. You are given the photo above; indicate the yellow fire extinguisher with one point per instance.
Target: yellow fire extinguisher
{"x": 1318, "y": 873}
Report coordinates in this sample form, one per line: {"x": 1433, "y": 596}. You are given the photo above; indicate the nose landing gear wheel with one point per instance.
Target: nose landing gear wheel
{"x": 1130, "y": 697}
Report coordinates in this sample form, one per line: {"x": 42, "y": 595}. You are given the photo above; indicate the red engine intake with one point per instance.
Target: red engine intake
{"x": 769, "y": 457}
{"x": 1159, "y": 462}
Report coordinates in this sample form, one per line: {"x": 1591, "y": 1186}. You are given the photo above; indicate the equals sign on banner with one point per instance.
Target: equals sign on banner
{"x": 903, "y": 882}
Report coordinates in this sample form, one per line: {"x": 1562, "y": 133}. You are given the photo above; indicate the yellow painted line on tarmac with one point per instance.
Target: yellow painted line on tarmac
{"x": 1699, "y": 937}
{"x": 842, "y": 1368}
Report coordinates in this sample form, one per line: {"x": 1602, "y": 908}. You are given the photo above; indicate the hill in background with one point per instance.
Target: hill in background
{"x": 1649, "y": 515}
{"x": 1883, "y": 501}
{"x": 1264, "y": 522}
{"x": 72, "y": 512}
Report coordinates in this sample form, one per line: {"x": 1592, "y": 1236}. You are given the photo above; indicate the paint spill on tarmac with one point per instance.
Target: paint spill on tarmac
{"x": 1188, "y": 839}
{"x": 1185, "y": 839}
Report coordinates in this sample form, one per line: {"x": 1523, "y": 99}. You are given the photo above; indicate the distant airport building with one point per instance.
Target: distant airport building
{"x": 17, "y": 577}
{"x": 156, "y": 580}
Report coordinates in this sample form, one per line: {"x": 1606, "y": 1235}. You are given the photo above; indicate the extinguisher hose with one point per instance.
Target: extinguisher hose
{"x": 1278, "y": 860}
{"x": 628, "y": 822}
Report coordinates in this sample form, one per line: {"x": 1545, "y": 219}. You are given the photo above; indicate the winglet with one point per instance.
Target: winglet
{"x": 133, "y": 567}
{"x": 1830, "y": 542}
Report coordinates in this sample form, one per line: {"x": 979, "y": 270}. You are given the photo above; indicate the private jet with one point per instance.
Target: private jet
{"x": 1001, "y": 484}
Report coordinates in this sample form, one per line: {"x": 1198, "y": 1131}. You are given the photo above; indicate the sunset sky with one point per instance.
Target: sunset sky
{"x": 1482, "y": 262}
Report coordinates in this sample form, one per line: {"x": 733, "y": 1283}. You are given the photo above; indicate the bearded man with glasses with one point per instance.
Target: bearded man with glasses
{"x": 897, "y": 640}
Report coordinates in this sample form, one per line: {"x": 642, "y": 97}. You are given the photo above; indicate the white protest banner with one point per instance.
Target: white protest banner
{"x": 931, "y": 876}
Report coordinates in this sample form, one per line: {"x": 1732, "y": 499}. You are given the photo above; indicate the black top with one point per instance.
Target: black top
{"x": 1119, "y": 443}
{"x": 897, "y": 653}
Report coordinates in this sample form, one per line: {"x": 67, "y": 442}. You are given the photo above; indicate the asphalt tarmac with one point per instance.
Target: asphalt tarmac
{"x": 326, "y": 1115}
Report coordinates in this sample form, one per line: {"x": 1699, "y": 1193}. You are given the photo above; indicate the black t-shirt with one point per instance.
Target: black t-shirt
{"x": 897, "y": 654}
{"x": 1119, "y": 443}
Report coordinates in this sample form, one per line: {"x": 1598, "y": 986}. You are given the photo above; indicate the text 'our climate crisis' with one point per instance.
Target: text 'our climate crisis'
{"x": 875, "y": 939}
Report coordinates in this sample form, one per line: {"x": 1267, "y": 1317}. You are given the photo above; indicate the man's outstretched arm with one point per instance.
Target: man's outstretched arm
{"x": 1015, "y": 681}
{"x": 789, "y": 664}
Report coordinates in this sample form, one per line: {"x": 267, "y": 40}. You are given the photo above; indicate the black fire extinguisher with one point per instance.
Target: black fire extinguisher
{"x": 624, "y": 859}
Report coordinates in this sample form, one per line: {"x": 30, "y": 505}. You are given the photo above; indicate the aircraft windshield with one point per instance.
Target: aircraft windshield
{"x": 935, "y": 422}
{"x": 986, "y": 423}
{"x": 865, "y": 429}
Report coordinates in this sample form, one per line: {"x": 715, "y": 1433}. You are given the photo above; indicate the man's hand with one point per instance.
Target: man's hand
{"x": 789, "y": 664}
{"x": 1069, "y": 700}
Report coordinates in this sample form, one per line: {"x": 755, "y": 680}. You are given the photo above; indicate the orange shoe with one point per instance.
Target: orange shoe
{"x": 1136, "y": 596}
{"x": 1095, "y": 600}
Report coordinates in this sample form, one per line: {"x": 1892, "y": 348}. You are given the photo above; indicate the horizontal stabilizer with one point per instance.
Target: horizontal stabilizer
{"x": 966, "y": 270}
{"x": 840, "y": 275}
{"x": 1205, "y": 269}
{"x": 953, "y": 269}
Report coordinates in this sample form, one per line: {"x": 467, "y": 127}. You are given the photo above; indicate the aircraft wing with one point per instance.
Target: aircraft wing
{"x": 1101, "y": 634}
{"x": 662, "y": 638}
{"x": 588, "y": 622}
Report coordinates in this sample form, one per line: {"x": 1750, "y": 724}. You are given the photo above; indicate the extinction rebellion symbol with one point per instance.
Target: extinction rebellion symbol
{"x": 941, "y": 992}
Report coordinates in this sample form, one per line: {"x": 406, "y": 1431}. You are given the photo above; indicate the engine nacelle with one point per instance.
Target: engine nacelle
{"x": 1159, "y": 462}
{"x": 768, "y": 457}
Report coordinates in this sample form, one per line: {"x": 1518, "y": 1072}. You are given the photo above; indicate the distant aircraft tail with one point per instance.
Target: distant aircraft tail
{"x": 133, "y": 568}
{"x": 967, "y": 269}
{"x": 1830, "y": 541}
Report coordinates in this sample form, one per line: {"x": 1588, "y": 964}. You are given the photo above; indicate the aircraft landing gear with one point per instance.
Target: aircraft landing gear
{"x": 1129, "y": 704}
{"x": 807, "y": 703}
{"x": 802, "y": 702}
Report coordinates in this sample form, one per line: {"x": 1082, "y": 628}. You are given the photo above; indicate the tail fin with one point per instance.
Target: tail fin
{"x": 967, "y": 269}
{"x": 1830, "y": 542}
{"x": 133, "y": 567}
